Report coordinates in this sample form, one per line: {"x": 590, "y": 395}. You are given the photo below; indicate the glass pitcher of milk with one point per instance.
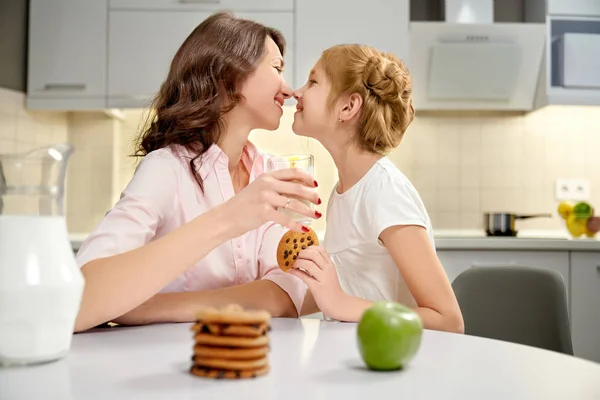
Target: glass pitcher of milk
{"x": 40, "y": 284}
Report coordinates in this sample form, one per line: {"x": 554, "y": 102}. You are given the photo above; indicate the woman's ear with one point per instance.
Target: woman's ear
{"x": 350, "y": 107}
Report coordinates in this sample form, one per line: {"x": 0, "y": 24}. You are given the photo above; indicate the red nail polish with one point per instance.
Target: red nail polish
{"x": 318, "y": 214}
{"x": 316, "y": 184}
{"x": 319, "y": 201}
{"x": 305, "y": 229}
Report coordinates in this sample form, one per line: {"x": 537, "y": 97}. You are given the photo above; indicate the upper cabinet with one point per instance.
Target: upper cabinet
{"x": 203, "y": 5}
{"x": 574, "y": 7}
{"x": 97, "y": 54}
{"x": 322, "y": 24}
{"x": 573, "y": 54}
{"x": 139, "y": 54}
{"x": 67, "y": 54}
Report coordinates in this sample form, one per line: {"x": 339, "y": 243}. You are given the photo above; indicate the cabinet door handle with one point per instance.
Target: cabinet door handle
{"x": 64, "y": 86}
{"x": 200, "y": 1}
{"x": 598, "y": 267}
{"x": 477, "y": 264}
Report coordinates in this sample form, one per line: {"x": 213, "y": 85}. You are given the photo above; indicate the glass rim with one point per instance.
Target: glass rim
{"x": 286, "y": 157}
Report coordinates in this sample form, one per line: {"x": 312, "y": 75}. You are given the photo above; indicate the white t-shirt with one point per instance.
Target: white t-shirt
{"x": 384, "y": 197}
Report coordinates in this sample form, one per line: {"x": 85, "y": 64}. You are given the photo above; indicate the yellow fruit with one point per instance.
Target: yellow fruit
{"x": 565, "y": 208}
{"x": 576, "y": 226}
{"x": 292, "y": 161}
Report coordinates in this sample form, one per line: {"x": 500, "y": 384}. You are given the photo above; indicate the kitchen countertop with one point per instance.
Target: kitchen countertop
{"x": 547, "y": 240}
{"x": 309, "y": 359}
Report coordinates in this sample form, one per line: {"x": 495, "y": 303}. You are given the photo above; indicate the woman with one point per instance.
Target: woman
{"x": 357, "y": 103}
{"x": 193, "y": 223}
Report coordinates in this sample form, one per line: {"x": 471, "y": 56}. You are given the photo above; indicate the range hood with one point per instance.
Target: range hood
{"x": 468, "y": 62}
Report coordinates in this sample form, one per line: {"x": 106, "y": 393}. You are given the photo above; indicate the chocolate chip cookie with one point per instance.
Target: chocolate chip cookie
{"x": 293, "y": 243}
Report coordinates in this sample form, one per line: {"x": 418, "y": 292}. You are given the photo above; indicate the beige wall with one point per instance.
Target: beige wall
{"x": 21, "y": 131}
{"x": 466, "y": 163}
{"x": 90, "y": 175}
{"x": 463, "y": 164}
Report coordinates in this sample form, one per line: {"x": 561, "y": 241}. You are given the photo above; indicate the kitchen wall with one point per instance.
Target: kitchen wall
{"x": 463, "y": 164}
{"x": 21, "y": 130}
{"x": 90, "y": 176}
{"x": 467, "y": 163}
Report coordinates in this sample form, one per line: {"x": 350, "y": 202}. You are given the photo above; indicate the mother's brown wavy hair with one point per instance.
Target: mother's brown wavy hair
{"x": 203, "y": 84}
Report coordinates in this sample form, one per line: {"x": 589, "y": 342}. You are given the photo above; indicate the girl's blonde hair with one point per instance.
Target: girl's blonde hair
{"x": 385, "y": 86}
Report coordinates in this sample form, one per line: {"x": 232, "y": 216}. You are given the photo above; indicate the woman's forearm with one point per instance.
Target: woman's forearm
{"x": 117, "y": 284}
{"x": 183, "y": 306}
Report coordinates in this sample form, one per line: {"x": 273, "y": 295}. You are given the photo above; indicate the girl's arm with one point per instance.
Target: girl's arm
{"x": 416, "y": 260}
{"x": 309, "y": 306}
{"x": 415, "y": 257}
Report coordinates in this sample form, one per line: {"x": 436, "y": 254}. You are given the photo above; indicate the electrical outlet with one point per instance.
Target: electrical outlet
{"x": 572, "y": 189}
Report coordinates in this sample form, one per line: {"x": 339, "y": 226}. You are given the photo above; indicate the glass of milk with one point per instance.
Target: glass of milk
{"x": 304, "y": 162}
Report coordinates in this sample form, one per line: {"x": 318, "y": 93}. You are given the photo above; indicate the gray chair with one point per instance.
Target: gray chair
{"x": 515, "y": 304}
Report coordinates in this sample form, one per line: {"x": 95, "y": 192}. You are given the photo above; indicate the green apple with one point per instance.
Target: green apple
{"x": 389, "y": 335}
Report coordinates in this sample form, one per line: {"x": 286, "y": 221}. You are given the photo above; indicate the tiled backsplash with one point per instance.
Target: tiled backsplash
{"x": 21, "y": 130}
{"x": 462, "y": 163}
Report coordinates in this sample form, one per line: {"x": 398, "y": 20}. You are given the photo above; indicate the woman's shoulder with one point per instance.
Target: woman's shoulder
{"x": 169, "y": 155}
{"x": 159, "y": 165}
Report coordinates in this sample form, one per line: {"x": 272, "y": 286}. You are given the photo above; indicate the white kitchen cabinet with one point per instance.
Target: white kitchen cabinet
{"x": 140, "y": 54}
{"x": 573, "y": 60}
{"x": 321, "y": 24}
{"x": 585, "y": 304}
{"x": 457, "y": 261}
{"x": 573, "y": 7}
{"x": 203, "y": 5}
{"x": 67, "y": 54}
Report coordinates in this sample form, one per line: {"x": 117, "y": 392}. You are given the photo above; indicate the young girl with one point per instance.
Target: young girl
{"x": 379, "y": 243}
{"x": 193, "y": 227}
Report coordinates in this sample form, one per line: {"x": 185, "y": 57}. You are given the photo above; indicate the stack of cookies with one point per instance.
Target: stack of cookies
{"x": 231, "y": 343}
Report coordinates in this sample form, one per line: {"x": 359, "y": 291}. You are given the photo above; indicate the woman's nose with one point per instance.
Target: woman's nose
{"x": 286, "y": 90}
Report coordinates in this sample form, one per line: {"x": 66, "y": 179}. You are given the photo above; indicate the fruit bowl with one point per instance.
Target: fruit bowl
{"x": 579, "y": 219}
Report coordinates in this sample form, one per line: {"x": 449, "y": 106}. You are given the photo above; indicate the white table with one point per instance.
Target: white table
{"x": 310, "y": 359}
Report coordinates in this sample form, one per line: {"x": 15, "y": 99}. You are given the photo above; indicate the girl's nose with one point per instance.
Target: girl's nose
{"x": 297, "y": 94}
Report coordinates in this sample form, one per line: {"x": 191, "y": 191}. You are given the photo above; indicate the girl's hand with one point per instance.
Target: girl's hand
{"x": 258, "y": 202}
{"x": 317, "y": 270}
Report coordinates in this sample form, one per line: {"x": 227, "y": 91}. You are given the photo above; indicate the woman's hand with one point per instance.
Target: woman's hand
{"x": 258, "y": 202}
{"x": 317, "y": 270}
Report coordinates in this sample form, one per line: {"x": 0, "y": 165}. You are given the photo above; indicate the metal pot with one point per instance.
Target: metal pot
{"x": 503, "y": 224}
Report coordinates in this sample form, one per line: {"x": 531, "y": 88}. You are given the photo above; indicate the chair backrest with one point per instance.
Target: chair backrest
{"x": 516, "y": 304}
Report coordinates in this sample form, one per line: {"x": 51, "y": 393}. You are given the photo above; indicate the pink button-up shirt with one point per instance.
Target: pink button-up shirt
{"x": 163, "y": 195}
